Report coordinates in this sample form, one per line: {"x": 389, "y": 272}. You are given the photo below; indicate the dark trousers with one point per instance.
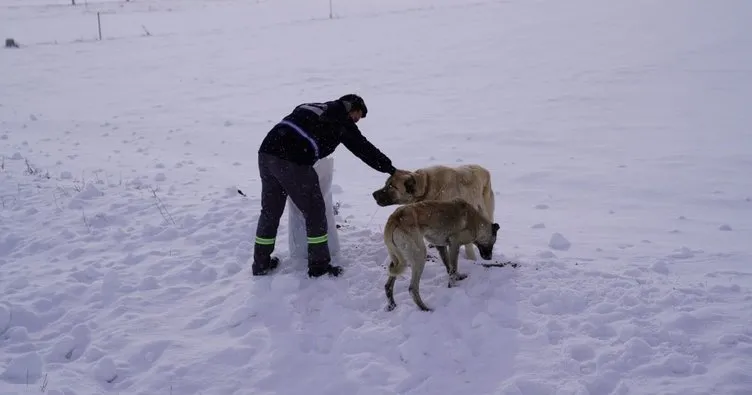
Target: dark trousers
{"x": 279, "y": 179}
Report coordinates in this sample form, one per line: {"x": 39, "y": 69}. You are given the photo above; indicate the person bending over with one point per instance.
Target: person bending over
{"x": 286, "y": 157}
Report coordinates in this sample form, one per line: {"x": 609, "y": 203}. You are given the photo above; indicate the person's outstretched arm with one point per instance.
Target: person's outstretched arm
{"x": 354, "y": 141}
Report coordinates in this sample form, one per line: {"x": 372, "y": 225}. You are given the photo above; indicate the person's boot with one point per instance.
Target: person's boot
{"x": 319, "y": 268}
{"x": 261, "y": 269}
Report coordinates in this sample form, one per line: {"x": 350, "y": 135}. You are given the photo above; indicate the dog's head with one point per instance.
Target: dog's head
{"x": 400, "y": 188}
{"x": 486, "y": 240}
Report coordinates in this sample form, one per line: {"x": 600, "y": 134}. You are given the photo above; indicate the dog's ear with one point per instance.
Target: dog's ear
{"x": 495, "y": 228}
{"x": 410, "y": 185}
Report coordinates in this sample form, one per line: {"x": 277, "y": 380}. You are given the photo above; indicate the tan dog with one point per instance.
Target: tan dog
{"x": 446, "y": 224}
{"x": 471, "y": 183}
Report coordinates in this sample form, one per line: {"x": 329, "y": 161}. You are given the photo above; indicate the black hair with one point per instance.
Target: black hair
{"x": 356, "y": 102}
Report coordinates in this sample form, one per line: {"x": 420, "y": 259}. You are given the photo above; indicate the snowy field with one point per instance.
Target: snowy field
{"x": 618, "y": 137}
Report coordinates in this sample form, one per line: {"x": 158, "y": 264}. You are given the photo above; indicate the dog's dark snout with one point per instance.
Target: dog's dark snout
{"x": 380, "y": 197}
{"x": 485, "y": 253}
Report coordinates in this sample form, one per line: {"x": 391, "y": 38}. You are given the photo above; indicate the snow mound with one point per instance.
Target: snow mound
{"x": 90, "y": 191}
{"x": 559, "y": 242}
{"x": 24, "y": 369}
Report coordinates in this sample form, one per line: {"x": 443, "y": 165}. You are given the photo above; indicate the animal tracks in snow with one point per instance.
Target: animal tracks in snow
{"x": 598, "y": 331}
{"x": 125, "y": 247}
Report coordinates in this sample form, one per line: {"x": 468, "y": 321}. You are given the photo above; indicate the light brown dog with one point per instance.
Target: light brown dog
{"x": 447, "y": 225}
{"x": 471, "y": 183}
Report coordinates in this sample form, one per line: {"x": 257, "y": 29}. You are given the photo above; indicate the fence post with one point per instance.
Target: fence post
{"x": 99, "y": 26}
{"x": 297, "y": 238}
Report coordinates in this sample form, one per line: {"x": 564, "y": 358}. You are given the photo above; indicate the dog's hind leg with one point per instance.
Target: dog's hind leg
{"x": 389, "y": 290}
{"x": 395, "y": 268}
{"x": 414, "y": 288}
{"x": 417, "y": 264}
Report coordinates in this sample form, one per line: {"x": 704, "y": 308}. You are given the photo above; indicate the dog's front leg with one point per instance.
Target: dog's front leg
{"x": 447, "y": 263}
{"x": 470, "y": 252}
{"x": 444, "y": 259}
{"x": 453, "y": 255}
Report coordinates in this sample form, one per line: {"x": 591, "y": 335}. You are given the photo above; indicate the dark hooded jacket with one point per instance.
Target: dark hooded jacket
{"x": 314, "y": 130}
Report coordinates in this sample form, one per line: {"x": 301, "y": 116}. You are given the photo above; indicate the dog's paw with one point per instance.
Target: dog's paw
{"x": 454, "y": 277}
{"x": 390, "y": 307}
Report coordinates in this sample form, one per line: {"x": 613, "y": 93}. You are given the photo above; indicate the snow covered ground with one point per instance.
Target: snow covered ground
{"x": 618, "y": 135}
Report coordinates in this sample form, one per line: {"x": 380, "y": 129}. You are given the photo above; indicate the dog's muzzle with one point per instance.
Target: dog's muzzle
{"x": 485, "y": 253}
{"x": 381, "y": 198}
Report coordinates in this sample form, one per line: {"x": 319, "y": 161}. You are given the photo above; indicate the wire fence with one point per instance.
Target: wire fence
{"x": 40, "y": 22}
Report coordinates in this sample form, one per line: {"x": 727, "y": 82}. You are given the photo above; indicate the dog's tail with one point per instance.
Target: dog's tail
{"x": 397, "y": 262}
